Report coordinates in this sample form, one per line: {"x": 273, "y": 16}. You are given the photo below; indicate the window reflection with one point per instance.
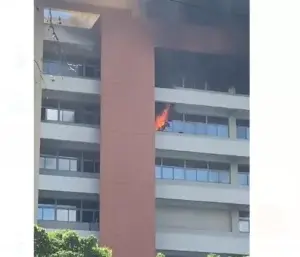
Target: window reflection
{"x": 167, "y": 173}
{"x": 191, "y": 174}
{"x": 158, "y": 172}
{"x": 178, "y": 173}
{"x": 199, "y": 125}
{"x": 202, "y": 175}
{"x": 174, "y": 169}
{"x": 48, "y": 214}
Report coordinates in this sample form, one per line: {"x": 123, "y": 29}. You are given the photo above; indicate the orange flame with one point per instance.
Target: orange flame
{"x": 162, "y": 119}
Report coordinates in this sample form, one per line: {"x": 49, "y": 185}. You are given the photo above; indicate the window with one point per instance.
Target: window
{"x": 52, "y": 114}
{"x": 242, "y": 129}
{"x": 67, "y": 116}
{"x": 167, "y": 173}
{"x": 243, "y": 174}
{"x": 158, "y": 172}
{"x": 40, "y": 213}
{"x": 178, "y": 173}
{"x": 224, "y": 177}
{"x": 50, "y": 163}
{"x": 62, "y": 215}
{"x": 42, "y": 162}
{"x": 191, "y": 174}
{"x": 244, "y": 222}
{"x": 88, "y": 166}
{"x": 87, "y": 216}
{"x": 202, "y": 175}
{"x": 48, "y": 213}
{"x": 213, "y": 176}
{"x": 63, "y": 164}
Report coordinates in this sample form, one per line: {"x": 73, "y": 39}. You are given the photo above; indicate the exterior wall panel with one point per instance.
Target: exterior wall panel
{"x": 127, "y": 196}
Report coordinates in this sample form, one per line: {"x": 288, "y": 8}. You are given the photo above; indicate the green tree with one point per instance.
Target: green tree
{"x": 67, "y": 243}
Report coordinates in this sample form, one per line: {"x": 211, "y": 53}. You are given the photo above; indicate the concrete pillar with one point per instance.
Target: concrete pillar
{"x": 232, "y": 127}
{"x": 234, "y": 174}
{"x": 38, "y": 67}
{"x": 127, "y": 181}
{"x": 235, "y": 221}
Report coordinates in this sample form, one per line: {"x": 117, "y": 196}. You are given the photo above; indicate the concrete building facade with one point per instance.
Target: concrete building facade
{"x": 104, "y": 71}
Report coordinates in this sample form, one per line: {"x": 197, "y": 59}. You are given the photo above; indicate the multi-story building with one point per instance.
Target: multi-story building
{"x": 102, "y": 76}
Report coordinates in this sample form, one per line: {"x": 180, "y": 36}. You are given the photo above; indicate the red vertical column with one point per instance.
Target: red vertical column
{"x": 127, "y": 181}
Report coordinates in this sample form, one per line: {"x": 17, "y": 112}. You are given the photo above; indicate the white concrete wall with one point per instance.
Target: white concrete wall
{"x": 189, "y": 191}
{"x": 202, "y": 192}
{"x": 72, "y": 84}
{"x": 201, "y": 144}
{"x": 196, "y": 219}
{"x": 68, "y": 184}
{"x": 202, "y": 98}
{"x": 38, "y": 80}
{"x": 72, "y": 35}
{"x": 74, "y": 133}
{"x": 190, "y": 241}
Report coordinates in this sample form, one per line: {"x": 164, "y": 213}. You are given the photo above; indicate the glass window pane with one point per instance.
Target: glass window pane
{"x": 50, "y": 163}
{"x": 167, "y": 173}
{"x": 178, "y": 173}
{"x": 241, "y": 132}
{"x": 244, "y": 226}
{"x": 73, "y": 215}
{"x": 157, "y": 172}
{"x": 87, "y": 216}
{"x": 52, "y": 68}
{"x": 243, "y": 179}
{"x": 62, "y": 215}
{"x": 73, "y": 165}
{"x": 97, "y": 166}
{"x": 224, "y": 177}
{"x": 40, "y": 213}
{"x": 178, "y": 126}
{"x": 213, "y": 176}
{"x": 202, "y": 175}
{"x": 223, "y": 131}
{"x": 67, "y": 116}
{"x": 52, "y": 114}
{"x": 189, "y": 127}
{"x": 88, "y": 166}
{"x": 48, "y": 214}
{"x": 248, "y": 133}
{"x": 169, "y": 128}
{"x": 42, "y": 162}
{"x": 63, "y": 164}
{"x": 89, "y": 71}
{"x": 201, "y": 128}
{"x": 212, "y": 129}
{"x": 191, "y": 174}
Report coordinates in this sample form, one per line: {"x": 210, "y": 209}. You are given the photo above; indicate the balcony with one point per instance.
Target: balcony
{"x": 72, "y": 84}
{"x": 201, "y": 192}
{"x": 201, "y": 144}
{"x": 70, "y": 132}
{"x": 201, "y": 241}
{"x": 202, "y": 98}
{"x": 55, "y": 182}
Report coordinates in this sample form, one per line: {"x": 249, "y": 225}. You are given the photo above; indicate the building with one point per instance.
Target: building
{"x": 102, "y": 76}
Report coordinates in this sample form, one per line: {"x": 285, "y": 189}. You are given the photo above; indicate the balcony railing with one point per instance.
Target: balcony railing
{"x": 72, "y": 164}
{"x": 198, "y": 128}
{"x": 60, "y": 213}
{"x": 80, "y": 70}
{"x": 190, "y": 174}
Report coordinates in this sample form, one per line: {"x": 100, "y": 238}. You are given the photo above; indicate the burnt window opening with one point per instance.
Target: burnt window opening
{"x": 183, "y": 69}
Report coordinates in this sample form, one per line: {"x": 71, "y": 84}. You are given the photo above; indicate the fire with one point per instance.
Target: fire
{"x": 162, "y": 119}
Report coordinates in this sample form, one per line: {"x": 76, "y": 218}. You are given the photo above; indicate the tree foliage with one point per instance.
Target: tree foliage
{"x": 67, "y": 243}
